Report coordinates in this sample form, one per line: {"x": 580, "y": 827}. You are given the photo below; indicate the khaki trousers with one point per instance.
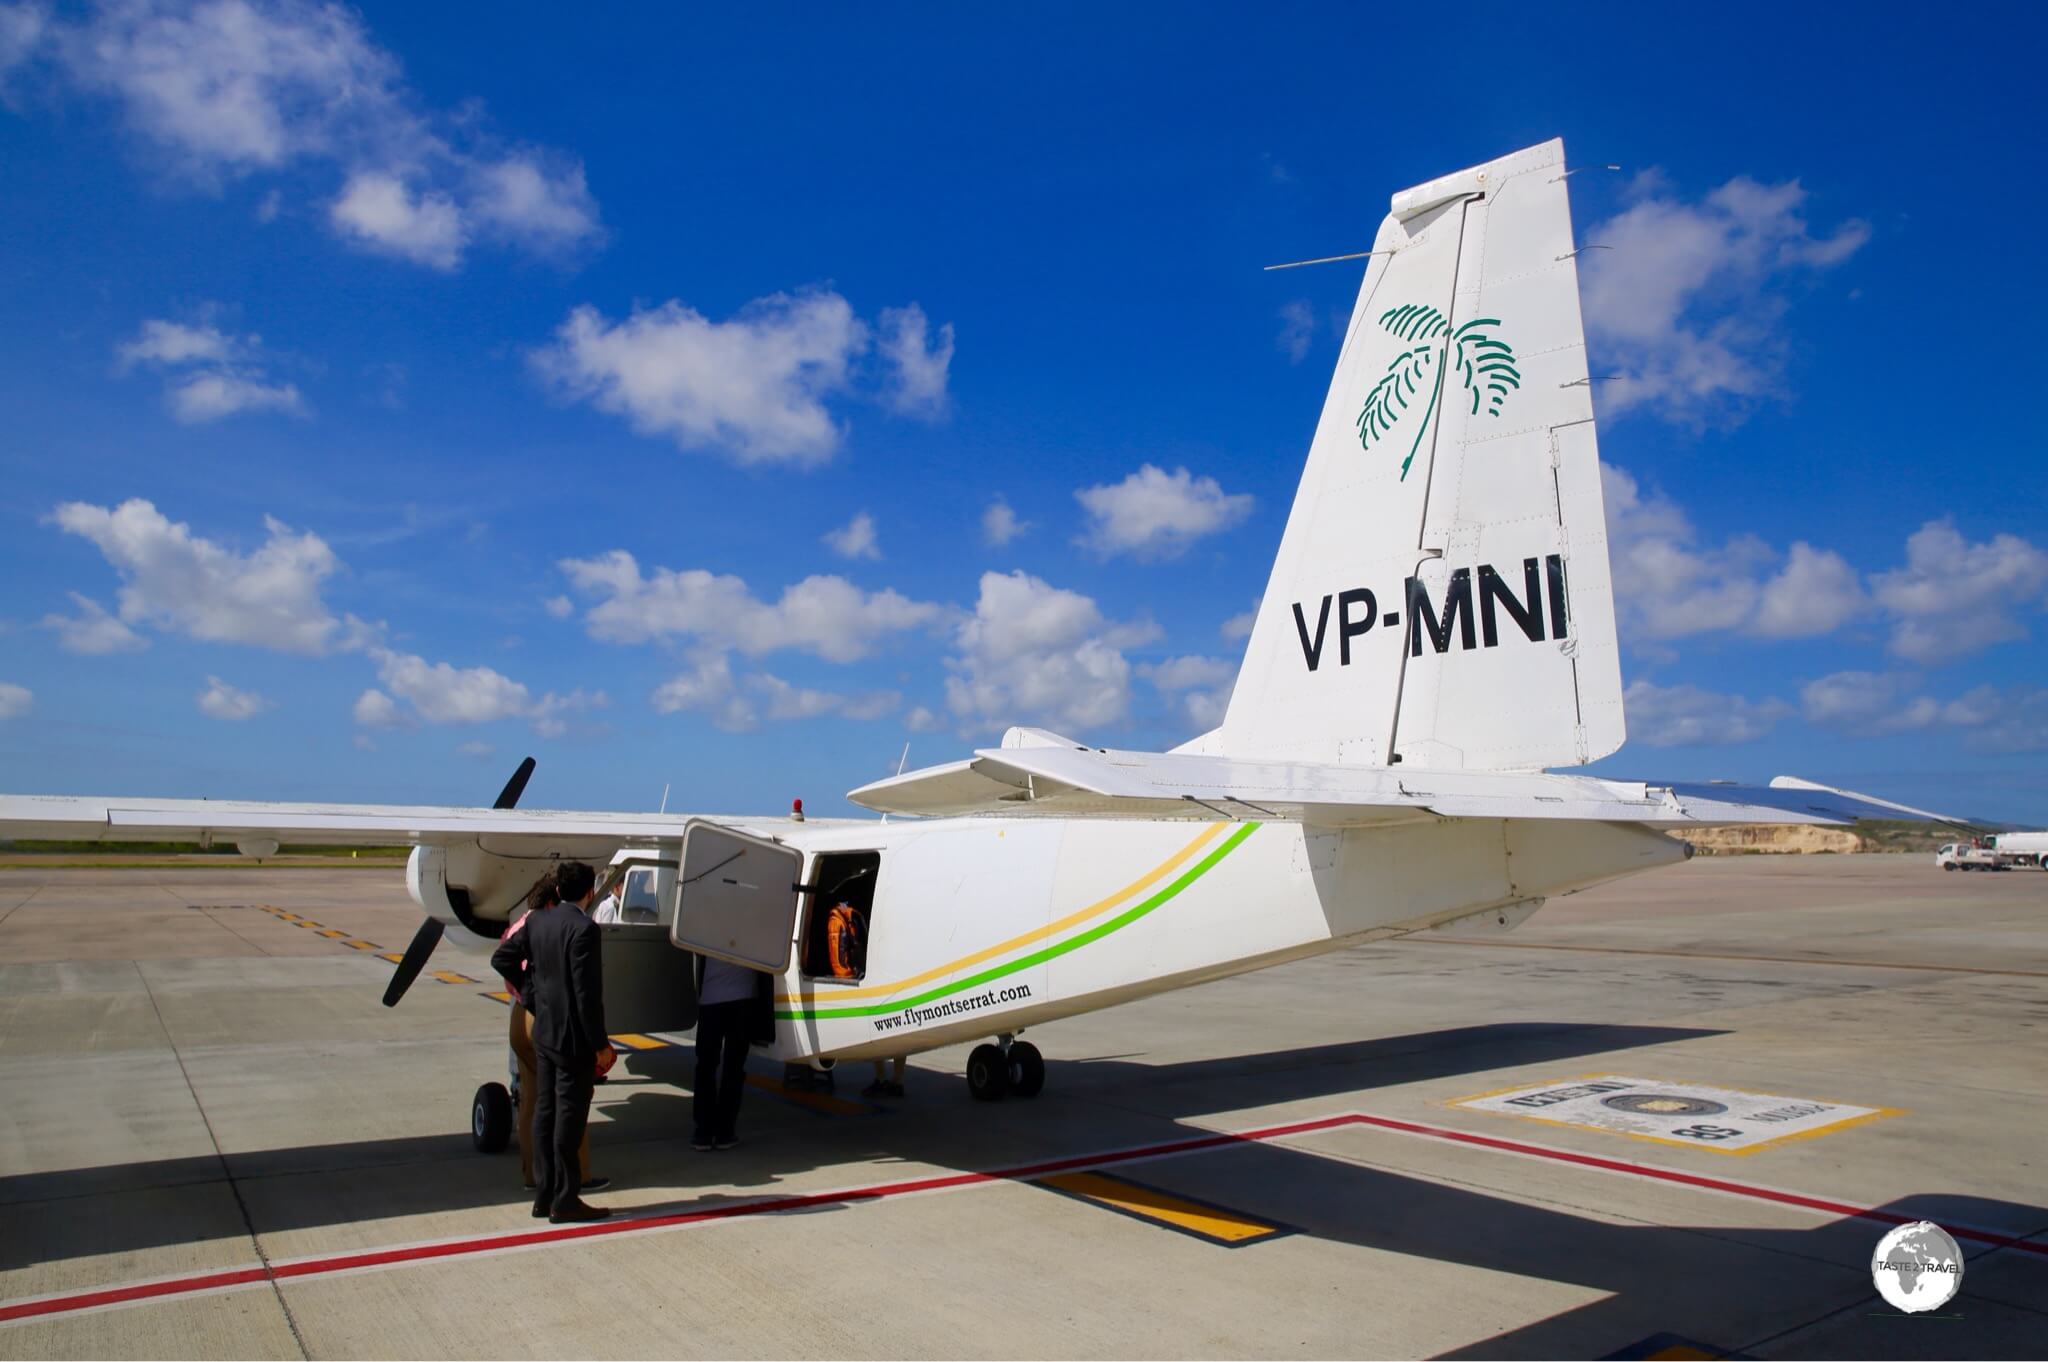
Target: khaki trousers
{"x": 529, "y": 1092}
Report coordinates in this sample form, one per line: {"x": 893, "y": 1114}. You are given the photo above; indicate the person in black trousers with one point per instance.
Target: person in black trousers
{"x": 555, "y": 963}
{"x": 733, "y": 1012}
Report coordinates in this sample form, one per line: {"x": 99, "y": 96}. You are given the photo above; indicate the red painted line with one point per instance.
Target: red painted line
{"x": 76, "y": 1302}
{"x": 1733, "y": 1188}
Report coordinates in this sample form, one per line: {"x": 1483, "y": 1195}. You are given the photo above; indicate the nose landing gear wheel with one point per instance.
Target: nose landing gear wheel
{"x": 490, "y": 1118}
{"x": 988, "y": 1074}
{"x": 1027, "y": 1069}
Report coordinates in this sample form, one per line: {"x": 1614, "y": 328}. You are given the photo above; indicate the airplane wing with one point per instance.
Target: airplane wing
{"x": 1075, "y": 781}
{"x": 208, "y": 821}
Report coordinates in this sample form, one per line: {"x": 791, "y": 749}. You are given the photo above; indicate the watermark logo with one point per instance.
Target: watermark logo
{"x": 1917, "y": 1267}
{"x": 1483, "y": 363}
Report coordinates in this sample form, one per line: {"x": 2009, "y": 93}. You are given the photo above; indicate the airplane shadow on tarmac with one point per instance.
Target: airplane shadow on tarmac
{"x": 1652, "y": 1278}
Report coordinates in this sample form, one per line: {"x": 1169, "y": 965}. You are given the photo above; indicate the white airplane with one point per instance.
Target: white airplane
{"x": 1438, "y": 629}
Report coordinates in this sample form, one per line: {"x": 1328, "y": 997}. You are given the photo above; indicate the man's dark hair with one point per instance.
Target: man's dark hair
{"x": 573, "y": 880}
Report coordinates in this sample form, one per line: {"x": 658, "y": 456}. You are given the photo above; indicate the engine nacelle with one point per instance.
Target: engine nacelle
{"x": 467, "y": 886}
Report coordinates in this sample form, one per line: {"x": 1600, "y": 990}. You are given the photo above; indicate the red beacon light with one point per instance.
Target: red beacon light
{"x": 796, "y": 811}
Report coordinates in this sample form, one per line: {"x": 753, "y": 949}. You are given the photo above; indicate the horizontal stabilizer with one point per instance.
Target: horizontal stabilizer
{"x": 1076, "y": 781}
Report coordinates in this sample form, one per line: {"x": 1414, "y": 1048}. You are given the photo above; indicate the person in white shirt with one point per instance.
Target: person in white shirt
{"x": 607, "y": 909}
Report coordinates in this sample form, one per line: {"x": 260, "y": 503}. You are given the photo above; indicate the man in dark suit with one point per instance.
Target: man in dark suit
{"x": 556, "y": 965}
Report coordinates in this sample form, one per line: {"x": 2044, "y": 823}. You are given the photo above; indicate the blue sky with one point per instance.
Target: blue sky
{"x": 723, "y": 401}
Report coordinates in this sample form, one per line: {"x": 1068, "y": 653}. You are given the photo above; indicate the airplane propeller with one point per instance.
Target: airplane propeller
{"x": 429, "y": 935}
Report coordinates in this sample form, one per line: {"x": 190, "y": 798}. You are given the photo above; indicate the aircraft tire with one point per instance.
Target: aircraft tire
{"x": 1027, "y": 1069}
{"x": 490, "y": 1119}
{"x": 988, "y": 1074}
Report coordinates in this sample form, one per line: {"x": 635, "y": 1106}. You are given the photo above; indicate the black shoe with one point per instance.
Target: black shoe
{"x": 541, "y": 1211}
{"x": 700, "y": 1142}
{"x": 726, "y": 1142}
{"x": 533, "y": 1187}
{"x": 579, "y": 1213}
{"x": 595, "y": 1185}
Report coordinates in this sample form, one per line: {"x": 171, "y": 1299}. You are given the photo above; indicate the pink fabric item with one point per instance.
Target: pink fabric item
{"x": 506, "y": 935}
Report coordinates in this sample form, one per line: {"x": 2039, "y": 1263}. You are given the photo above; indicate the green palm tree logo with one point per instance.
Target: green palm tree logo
{"x": 1484, "y": 364}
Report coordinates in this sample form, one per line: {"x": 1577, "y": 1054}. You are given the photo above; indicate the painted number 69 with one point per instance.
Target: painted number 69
{"x": 1707, "y": 1132}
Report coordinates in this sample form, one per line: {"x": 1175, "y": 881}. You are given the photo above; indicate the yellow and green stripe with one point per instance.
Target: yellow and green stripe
{"x": 1142, "y": 908}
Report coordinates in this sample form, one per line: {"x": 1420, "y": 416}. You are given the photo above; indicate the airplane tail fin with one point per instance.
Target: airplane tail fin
{"x": 1441, "y": 596}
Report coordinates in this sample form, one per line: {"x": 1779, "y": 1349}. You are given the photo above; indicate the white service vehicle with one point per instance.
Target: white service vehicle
{"x": 1970, "y": 856}
{"x": 1437, "y": 629}
{"x": 2026, "y": 848}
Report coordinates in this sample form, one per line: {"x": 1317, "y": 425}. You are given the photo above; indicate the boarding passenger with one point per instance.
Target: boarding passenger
{"x": 521, "y": 1038}
{"x": 555, "y": 962}
{"x": 734, "y": 1011}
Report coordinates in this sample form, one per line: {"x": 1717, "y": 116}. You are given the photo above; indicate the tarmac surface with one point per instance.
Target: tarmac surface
{"x": 215, "y": 1142}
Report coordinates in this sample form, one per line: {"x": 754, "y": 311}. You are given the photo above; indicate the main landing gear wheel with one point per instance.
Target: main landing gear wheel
{"x": 1027, "y": 1069}
{"x": 490, "y": 1118}
{"x": 988, "y": 1073}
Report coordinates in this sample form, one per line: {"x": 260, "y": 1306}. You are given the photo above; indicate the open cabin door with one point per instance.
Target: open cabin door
{"x": 736, "y": 897}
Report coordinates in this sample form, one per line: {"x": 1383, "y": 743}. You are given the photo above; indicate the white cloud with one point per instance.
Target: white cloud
{"x": 1297, "y": 329}
{"x": 375, "y": 709}
{"x": 92, "y": 630}
{"x": 1239, "y": 627}
{"x": 15, "y": 701}
{"x": 175, "y": 580}
{"x": 163, "y": 342}
{"x": 222, "y": 701}
{"x": 1686, "y": 301}
{"x": 1201, "y": 686}
{"x": 1874, "y": 704}
{"x": 1666, "y": 584}
{"x": 1816, "y": 592}
{"x": 873, "y": 704}
{"x": 783, "y": 701}
{"x": 1186, "y": 673}
{"x": 1032, "y": 652}
{"x": 753, "y": 387}
{"x": 855, "y": 539}
{"x": 475, "y": 750}
{"x": 198, "y": 398}
{"x": 536, "y": 200}
{"x": 444, "y": 694}
{"x": 1688, "y": 716}
{"x": 212, "y": 374}
{"x": 1850, "y": 699}
{"x": 1156, "y": 514}
{"x": 22, "y": 30}
{"x": 707, "y": 686}
{"x": 559, "y": 607}
{"x": 825, "y": 615}
{"x": 1953, "y": 597}
{"x": 380, "y": 212}
{"x": 918, "y": 364}
{"x": 231, "y": 88}
{"x": 923, "y": 720}
{"x": 1000, "y": 525}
